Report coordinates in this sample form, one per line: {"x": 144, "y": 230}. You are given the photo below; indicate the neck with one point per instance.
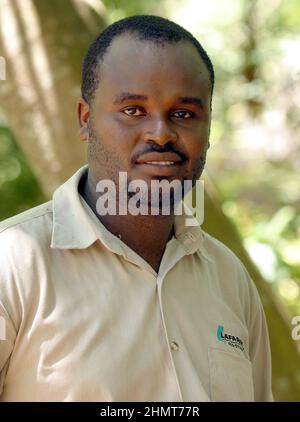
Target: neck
{"x": 147, "y": 235}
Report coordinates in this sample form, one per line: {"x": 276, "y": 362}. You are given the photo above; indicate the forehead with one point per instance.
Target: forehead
{"x": 137, "y": 65}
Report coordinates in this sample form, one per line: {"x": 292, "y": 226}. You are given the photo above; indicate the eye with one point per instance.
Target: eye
{"x": 183, "y": 114}
{"x": 133, "y": 111}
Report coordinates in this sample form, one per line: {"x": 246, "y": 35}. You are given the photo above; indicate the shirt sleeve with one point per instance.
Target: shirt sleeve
{"x": 7, "y": 339}
{"x": 259, "y": 350}
{"x": 10, "y": 309}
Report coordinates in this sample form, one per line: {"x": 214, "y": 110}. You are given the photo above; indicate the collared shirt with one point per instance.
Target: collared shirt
{"x": 85, "y": 318}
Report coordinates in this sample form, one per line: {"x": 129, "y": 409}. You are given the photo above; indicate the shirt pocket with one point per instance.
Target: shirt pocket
{"x": 230, "y": 377}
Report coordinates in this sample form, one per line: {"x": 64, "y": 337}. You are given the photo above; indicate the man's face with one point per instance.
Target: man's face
{"x": 151, "y": 113}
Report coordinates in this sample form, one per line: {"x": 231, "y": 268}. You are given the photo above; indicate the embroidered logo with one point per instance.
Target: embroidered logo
{"x": 231, "y": 340}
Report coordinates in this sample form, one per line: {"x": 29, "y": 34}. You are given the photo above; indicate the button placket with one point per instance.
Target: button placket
{"x": 174, "y": 346}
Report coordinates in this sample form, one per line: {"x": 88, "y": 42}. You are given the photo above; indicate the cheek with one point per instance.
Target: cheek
{"x": 112, "y": 145}
{"x": 115, "y": 135}
{"x": 196, "y": 147}
{"x": 196, "y": 142}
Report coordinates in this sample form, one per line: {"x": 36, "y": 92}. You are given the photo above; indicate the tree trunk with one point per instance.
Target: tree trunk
{"x": 43, "y": 43}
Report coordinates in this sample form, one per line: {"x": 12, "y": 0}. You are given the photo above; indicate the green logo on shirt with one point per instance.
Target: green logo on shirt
{"x": 232, "y": 341}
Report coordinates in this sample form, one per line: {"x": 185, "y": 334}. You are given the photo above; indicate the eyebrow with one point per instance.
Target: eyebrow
{"x": 128, "y": 96}
{"x": 191, "y": 100}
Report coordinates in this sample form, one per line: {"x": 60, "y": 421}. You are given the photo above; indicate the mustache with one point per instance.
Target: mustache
{"x": 157, "y": 148}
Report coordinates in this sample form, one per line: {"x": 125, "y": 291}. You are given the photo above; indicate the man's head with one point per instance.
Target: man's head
{"x": 145, "y": 28}
{"x": 146, "y": 102}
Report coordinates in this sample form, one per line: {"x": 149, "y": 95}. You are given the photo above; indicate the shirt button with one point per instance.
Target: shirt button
{"x": 174, "y": 346}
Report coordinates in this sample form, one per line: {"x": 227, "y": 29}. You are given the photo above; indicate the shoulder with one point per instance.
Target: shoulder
{"x": 231, "y": 277}
{"x": 24, "y": 242}
{"x": 33, "y": 222}
{"x": 26, "y": 218}
{"x": 25, "y": 234}
{"x": 220, "y": 254}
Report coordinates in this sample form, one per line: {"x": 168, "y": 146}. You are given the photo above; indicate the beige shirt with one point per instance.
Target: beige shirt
{"x": 84, "y": 318}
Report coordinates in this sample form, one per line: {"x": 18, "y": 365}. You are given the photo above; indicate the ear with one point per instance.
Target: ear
{"x": 83, "y": 115}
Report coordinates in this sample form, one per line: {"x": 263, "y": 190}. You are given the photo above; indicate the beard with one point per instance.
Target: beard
{"x": 151, "y": 199}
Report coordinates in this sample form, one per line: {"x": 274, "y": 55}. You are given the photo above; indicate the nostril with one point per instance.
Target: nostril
{"x": 161, "y": 132}
{"x": 161, "y": 138}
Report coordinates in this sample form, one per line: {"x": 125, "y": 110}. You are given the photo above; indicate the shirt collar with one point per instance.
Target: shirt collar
{"x": 76, "y": 228}
{"x": 72, "y": 229}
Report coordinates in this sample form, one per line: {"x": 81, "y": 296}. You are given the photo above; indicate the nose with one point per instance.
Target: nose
{"x": 160, "y": 132}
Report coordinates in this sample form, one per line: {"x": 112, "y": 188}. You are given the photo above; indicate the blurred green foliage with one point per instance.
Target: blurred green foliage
{"x": 19, "y": 190}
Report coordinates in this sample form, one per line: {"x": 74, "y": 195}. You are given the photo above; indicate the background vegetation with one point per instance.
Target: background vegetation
{"x": 253, "y": 165}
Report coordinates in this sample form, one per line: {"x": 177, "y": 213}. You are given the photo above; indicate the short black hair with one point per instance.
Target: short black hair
{"x": 146, "y": 28}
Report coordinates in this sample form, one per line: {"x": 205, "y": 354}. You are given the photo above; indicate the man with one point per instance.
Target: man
{"x": 119, "y": 306}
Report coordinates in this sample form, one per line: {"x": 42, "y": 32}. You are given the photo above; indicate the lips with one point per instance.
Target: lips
{"x": 160, "y": 159}
{"x": 160, "y": 164}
